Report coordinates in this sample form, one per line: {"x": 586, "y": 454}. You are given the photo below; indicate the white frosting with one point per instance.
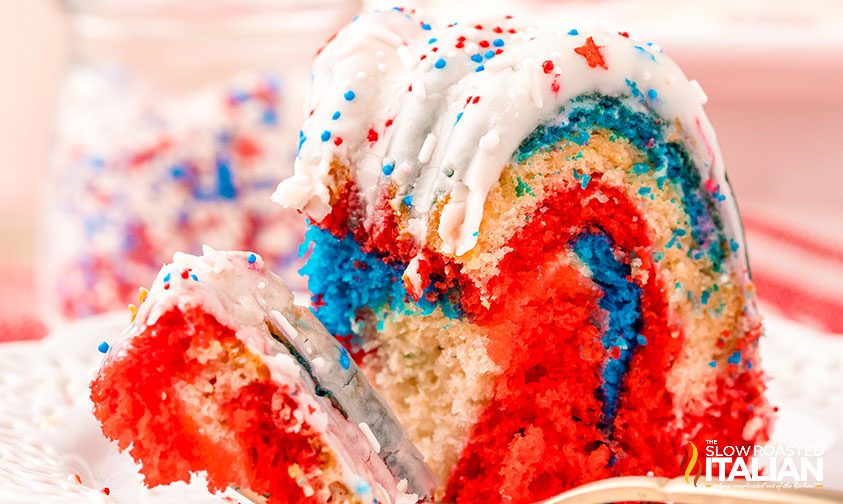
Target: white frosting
{"x": 241, "y": 293}
{"x": 436, "y": 151}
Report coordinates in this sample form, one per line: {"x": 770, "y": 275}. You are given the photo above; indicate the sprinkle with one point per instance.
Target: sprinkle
{"x": 338, "y": 141}
{"x": 388, "y": 169}
{"x": 349, "y": 95}
{"x": 591, "y": 52}
{"x": 336, "y": 115}
{"x": 363, "y": 487}
{"x": 194, "y": 277}
{"x": 713, "y": 363}
{"x": 585, "y": 180}
{"x": 733, "y": 245}
{"x": 735, "y": 358}
{"x": 640, "y": 168}
{"x": 705, "y": 296}
{"x": 185, "y": 274}
{"x": 431, "y": 41}
{"x": 106, "y": 490}
{"x": 658, "y": 256}
{"x": 326, "y": 135}
{"x": 479, "y": 68}
{"x": 103, "y": 347}
{"x": 573, "y": 32}
{"x": 459, "y": 116}
{"x": 498, "y": 42}
{"x": 477, "y": 58}
{"x": 408, "y": 200}
{"x": 483, "y": 43}
{"x": 644, "y": 191}
{"x": 142, "y": 294}
{"x": 490, "y": 54}
{"x": 641, "y": 339}
{"x": 425, "y": 26}
{"x": 167, "y": 277}
{"x": 252, "y": 258}
{"x": 652, "y": 94}
{"x": 345, "y": 362}
{"x": 547, "y": 66}
{"x": 440, "y": 63}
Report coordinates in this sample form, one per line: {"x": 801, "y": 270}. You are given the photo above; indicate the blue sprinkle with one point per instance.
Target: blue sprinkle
{"x": 349, "y": 95}
{"x": 652, "y": 94}
{"x": 167, "y": 277}
{"x": 735, "y": 358}
{"x": 302, "y": 138}
{"x": 269, "y": 117}
{"x": 498, "y": 42}
{"x": 363, "y": 487}
{"x": 408, "y": 200}
{"x": 477, "y": 58}
{"x": 459, "y": 116}
{"x": 425, "y": 26}
{"x": 640, "y": 168}
{"x": 194, "y": 277}
{"x": 252, "y": 258}
{"x": 177, "y": 171}
{"x": 225, "y": 180}
{"x": 749, "y": 366}
{"x": 336, "y": 115}
{"x": 388, "y": 168}
{"x": 585, "y": 180}
{"x": 658, "y": 256}
{"x": 434, "y": 39}
{"x": 642, "y": 340}
{"x": 644, "y": 191}
{"x": 490, "y": 54}
{"x": 733, "y": 245}
{"x": 705, "y": 296}
{"x": 345, "y": 363}
{"x": 440, "y": 63}
{"x": 476, "y": 233}
{"x": 480, "y": 68}
{"x": 573, "y": 32}
{"x": 103, "y": 347}
{"x": 326, "y": 135}
{"x": 713, "y": 363}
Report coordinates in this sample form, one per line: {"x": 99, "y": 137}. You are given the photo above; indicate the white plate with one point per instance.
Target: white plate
{"x": 48, "y": 434}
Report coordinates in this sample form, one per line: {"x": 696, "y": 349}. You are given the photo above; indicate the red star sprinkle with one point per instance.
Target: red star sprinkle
{"x": 591, "y": 52}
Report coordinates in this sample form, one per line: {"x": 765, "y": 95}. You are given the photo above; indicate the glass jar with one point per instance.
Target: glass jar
{"x": 176, "y": 120}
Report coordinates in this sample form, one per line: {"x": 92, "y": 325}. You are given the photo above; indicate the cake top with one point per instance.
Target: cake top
{"x": 240, "y": 292}
{"x": 441, "y": 110}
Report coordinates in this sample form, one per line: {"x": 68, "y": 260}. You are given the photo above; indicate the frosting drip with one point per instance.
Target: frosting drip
{"x": 440, "y": 112}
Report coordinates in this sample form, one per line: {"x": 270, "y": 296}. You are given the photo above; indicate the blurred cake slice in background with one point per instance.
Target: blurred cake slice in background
{"x": 220, "y": 372}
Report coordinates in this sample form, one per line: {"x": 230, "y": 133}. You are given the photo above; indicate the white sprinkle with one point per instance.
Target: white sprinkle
{"x": 695, "y": 85}
{"x": 362, "y": 75}
{"x": 381, "y": 67}
{"x": 370, "y": 436}
{"x": 283, "y": 324}
{"x": 427, "y": 148}
{"x": 489, "y": 141}
{"x": 261, "y": 285}
{"x": 419, "y": 91}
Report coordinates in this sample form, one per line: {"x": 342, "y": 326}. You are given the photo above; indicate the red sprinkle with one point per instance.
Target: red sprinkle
{"x": 373, "y": 135}
{"x": 623, "y": 34}
{"x": 483, "y": 43}
{"x": 478, "y": 27}
{"x": 554, "y": 86}
{"x": 547, "y": 66}
{"x": 338, "y": 141}
{"x": 185, "y": 274}
{"x": 497, "y": 29}
{"x": 476, "y": 99}
{"x": 591, "y": 52}
{"x": 106, "y": 490}
{"x": 388, "y": 123}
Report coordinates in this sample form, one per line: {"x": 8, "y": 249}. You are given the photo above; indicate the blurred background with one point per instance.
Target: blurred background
{"x": 205, "y": 96}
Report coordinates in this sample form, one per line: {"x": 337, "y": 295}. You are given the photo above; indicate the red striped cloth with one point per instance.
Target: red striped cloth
{"x": 798, "y": 272}
{"x": 19, "y": 308}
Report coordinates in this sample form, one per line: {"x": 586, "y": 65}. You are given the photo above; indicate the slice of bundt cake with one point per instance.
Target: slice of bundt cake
{"x": 527, "y": 240}
{"x": 221, "y": 373}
